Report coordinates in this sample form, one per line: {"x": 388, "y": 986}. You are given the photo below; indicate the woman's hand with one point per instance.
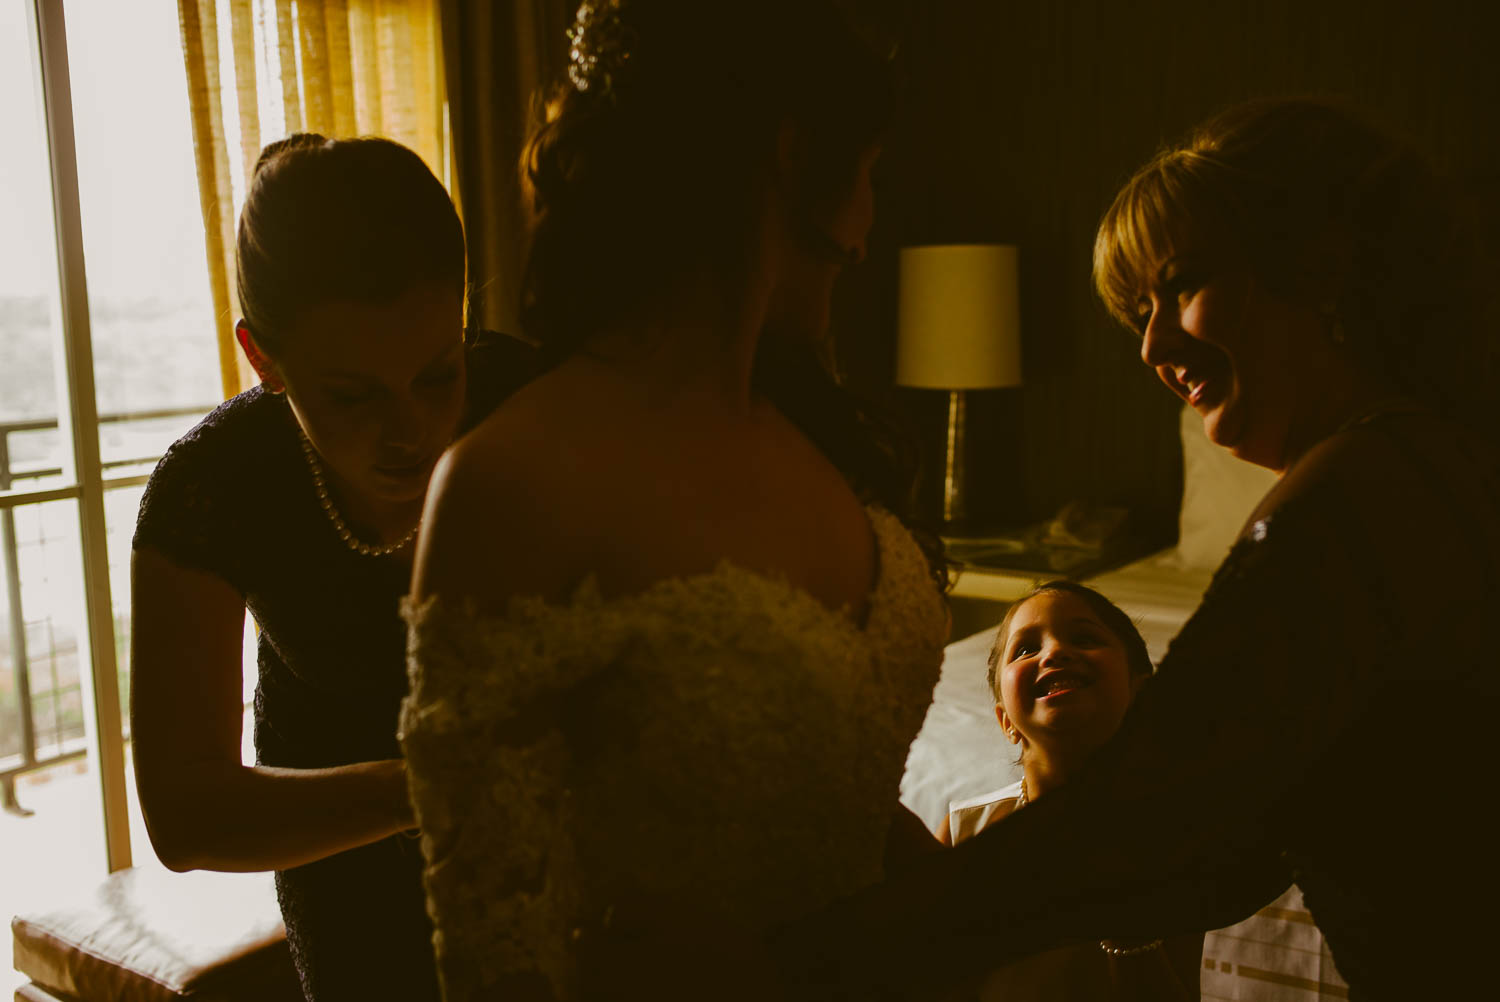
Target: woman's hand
{"x": 204, "y": 808}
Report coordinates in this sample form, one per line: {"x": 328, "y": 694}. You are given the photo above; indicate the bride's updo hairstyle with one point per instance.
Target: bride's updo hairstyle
{"x": 656, "y": 146}
{"x": 1328, "y": 210}
{"x": 361, "y": 220}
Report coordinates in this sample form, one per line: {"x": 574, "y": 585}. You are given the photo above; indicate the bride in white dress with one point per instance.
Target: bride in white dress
{"x": 670, "y": 640}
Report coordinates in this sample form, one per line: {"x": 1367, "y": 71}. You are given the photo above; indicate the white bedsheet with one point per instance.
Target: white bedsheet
{"x": 1158, "y": 593}
{"x": 959, "y": 752}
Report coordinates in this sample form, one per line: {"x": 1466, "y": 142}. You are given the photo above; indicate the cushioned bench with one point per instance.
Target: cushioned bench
{"x": 150, "y": 935}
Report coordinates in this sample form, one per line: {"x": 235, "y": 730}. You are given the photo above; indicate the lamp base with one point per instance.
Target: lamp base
{"x": 955, "y": 496}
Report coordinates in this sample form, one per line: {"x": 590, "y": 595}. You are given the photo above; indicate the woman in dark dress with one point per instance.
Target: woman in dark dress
{"x": 299, "y": 500}
{"x": 1327, "y": 715}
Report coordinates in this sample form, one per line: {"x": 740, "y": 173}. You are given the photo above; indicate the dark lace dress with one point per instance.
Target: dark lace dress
{"x": 234, "y": 497}
{"x": 1327, "y": 717}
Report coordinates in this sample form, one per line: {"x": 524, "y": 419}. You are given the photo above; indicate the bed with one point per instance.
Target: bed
{"x": 1276, "y": 955}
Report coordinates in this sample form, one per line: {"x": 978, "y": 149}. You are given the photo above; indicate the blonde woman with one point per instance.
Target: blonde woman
{"x": 1298, "y": 278}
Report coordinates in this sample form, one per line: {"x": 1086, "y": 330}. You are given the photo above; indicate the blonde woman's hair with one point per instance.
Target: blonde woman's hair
{"x": 1173, "y": 201}
{"x": 1325, "y": 208}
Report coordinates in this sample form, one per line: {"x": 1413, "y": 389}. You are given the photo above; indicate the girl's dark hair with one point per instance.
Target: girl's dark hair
{"x": 330, "y": 219}
{"x": 648, "y": 166}
{"x": 1137, "y": 658}
{"x": 1315, "y": 199}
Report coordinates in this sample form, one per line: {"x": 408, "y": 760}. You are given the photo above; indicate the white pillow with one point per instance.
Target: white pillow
{"x": 1219, "y": 492}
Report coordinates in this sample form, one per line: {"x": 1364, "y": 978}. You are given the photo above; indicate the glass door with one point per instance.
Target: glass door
{"x": 107, "y": 354}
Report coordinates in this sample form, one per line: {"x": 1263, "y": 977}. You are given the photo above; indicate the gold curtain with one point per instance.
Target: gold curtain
{"x": 265, "y": 69}
{"x": 498, "y": 57}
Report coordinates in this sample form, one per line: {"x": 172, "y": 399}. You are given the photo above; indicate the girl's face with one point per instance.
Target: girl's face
{"x": 1063, "y": 676}
{"x": 1251, "y": 363}
{"x": 379, "y": 389}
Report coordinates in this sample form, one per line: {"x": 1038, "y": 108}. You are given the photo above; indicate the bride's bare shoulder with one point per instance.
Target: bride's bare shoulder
{"x": 508, "y": 510}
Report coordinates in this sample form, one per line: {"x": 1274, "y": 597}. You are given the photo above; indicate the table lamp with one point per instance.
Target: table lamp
{"x": 959, "y": 329}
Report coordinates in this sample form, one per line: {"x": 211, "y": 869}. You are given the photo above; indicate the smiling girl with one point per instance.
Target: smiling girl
{"x": 1064, "y": 669}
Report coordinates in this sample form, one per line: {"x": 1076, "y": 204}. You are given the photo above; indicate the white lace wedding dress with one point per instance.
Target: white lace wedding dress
{"x": 723, "y": 744}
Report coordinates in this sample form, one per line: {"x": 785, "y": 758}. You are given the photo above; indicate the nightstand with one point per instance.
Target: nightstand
{"x": 994, "y": 571}
{"x": 1004, "y": 568}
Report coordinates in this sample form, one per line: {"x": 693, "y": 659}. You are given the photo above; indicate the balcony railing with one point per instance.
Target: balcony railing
{"x": 64, "y": 746}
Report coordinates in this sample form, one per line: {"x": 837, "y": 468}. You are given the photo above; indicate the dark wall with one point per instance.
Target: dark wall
{"x": 1020, "y": 122}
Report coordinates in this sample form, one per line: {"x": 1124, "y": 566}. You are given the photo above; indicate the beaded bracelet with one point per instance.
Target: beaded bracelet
{"x": 1128, "y": 951}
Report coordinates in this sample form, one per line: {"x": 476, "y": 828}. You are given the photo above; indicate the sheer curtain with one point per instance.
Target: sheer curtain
{"x": 259, "y": 70}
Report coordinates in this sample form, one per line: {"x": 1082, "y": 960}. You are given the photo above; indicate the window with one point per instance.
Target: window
{"x": 107, "y": 354}
{"x": 110, "y": 341}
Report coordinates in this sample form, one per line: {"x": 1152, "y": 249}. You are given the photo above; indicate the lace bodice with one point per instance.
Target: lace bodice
{"x": 722, "y": 744}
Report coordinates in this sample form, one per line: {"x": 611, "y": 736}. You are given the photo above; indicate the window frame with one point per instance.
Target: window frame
{"x": 78, "y": 422}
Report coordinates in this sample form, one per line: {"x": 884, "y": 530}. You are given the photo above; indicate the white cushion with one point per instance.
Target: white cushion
{"x": 1219, "y": 492}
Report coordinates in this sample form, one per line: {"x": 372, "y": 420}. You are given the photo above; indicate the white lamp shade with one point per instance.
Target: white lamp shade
{"x": 959, "y": 317}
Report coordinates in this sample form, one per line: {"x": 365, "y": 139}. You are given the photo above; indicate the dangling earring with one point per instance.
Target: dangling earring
{"x": 272, "y": 383}
{"x": 263, "y": 366}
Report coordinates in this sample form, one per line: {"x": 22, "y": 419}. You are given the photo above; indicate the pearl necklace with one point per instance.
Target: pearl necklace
{"x": 339, "y": 525}
{"x": 1104, "y": 944}
{"x": 1128, "y": 951}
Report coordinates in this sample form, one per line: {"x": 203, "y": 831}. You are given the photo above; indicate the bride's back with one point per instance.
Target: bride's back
{"x": 668, "y": 646}
{"x": 591, "y": 471}
{"x": 692, "y": 202}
